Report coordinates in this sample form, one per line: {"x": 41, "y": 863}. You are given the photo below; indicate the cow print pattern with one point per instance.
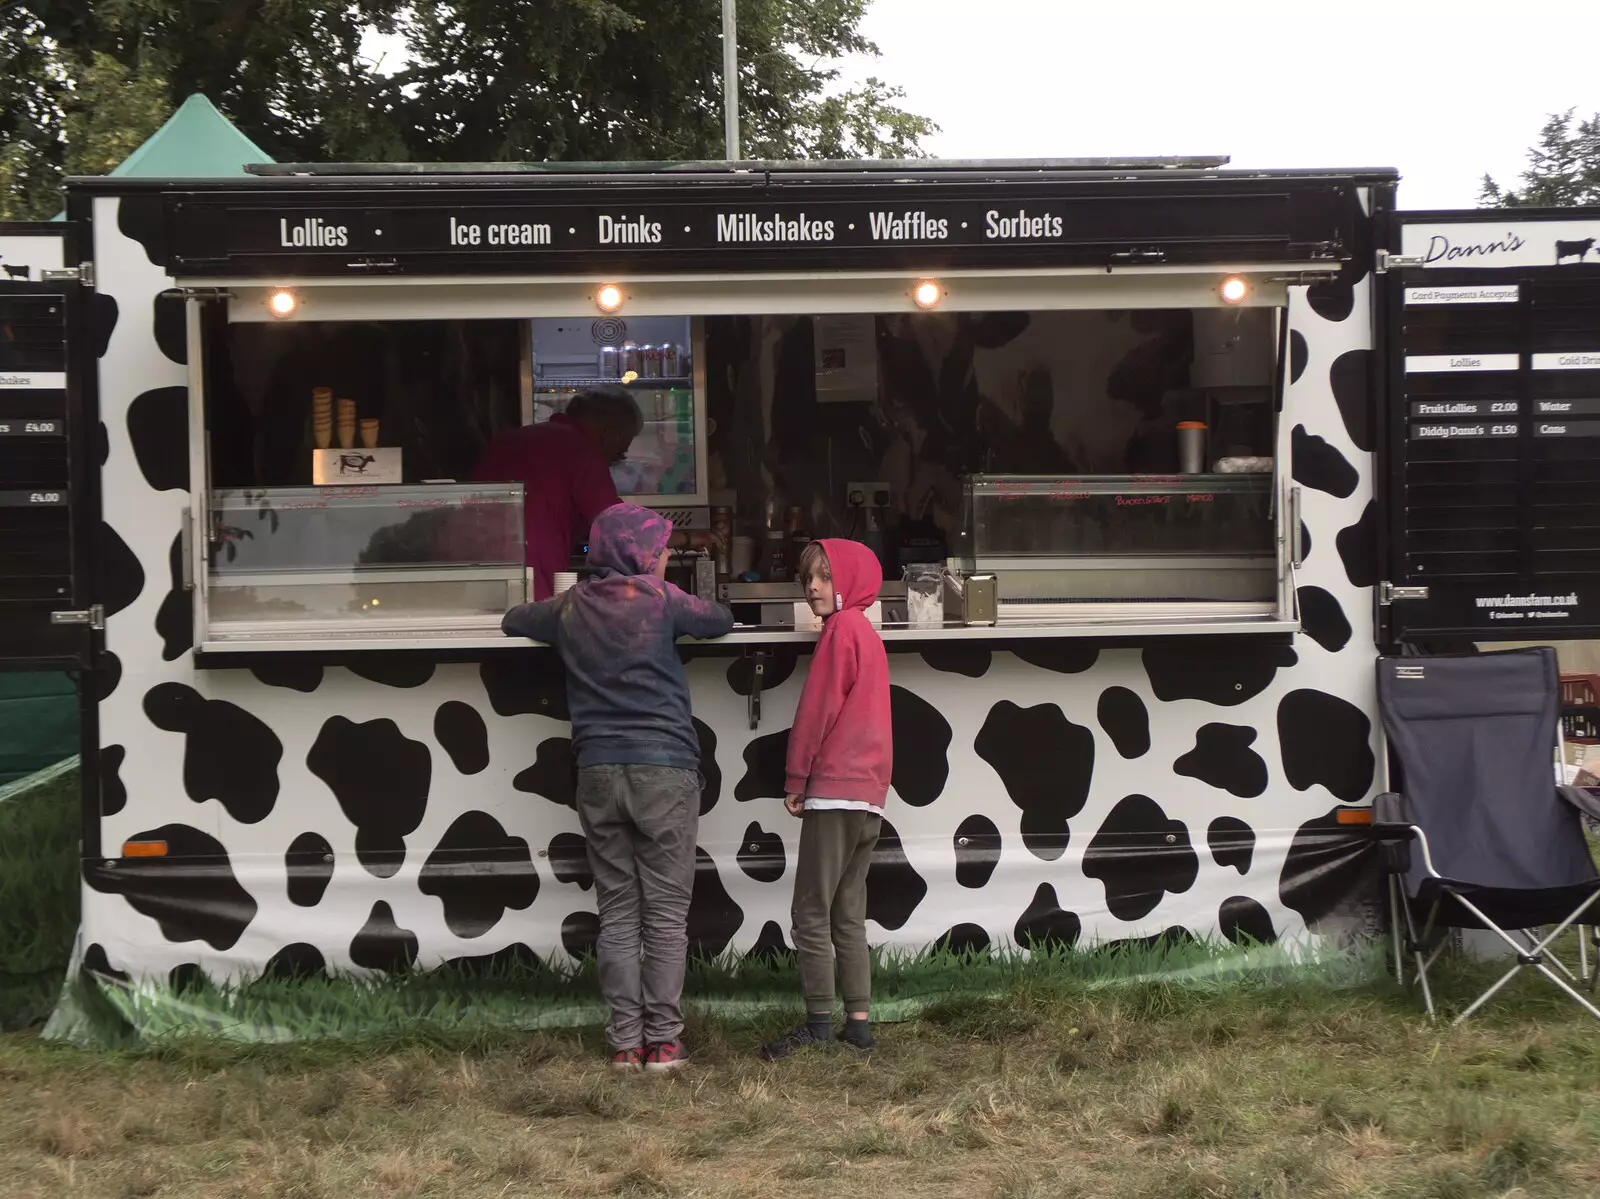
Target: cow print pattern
{"x": 391, "y": 813}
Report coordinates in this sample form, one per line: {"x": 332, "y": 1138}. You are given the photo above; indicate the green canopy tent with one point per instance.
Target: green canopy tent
{"x": 39, "y": 712}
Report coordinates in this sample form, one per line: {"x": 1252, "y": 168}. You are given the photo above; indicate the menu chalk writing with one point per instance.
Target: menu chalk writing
{"x": 1428, "y": 363}
{"x": 1568, "y": 360}
{"x": 1451, "y": 408}
{"x": 1569, "y": 428}
{"x": 1461, "y": 432}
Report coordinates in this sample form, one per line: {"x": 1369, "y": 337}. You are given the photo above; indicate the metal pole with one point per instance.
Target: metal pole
{"x": 730, "y": 81}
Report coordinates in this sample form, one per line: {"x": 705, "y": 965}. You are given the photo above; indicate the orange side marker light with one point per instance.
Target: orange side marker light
{"x": 144, "y": 849}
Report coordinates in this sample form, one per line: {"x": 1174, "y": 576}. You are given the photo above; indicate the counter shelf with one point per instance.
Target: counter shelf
{"x": 322, "y": 565}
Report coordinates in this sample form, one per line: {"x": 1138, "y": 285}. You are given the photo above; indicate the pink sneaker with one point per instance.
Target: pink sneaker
{"x": 627, "y": 1061}
{"x": 666, "y": 1057}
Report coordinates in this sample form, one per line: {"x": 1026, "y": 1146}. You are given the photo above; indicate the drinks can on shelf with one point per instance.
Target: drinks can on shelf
{"x": 652, "y": 361}
{"x": 632, "y": 360}
{"x": 671, "y": 361}
{"x": 610, "y": 363}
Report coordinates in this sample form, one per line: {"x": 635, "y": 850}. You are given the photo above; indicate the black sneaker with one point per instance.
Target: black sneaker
{"x": 802, "y": 1037}
{"x": 857, "y": 1034}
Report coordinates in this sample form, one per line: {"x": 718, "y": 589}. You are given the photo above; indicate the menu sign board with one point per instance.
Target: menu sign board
{"x": 847, "y": 223}
{"x": 36, "y": 549}
{"x": 1494, "y": 439}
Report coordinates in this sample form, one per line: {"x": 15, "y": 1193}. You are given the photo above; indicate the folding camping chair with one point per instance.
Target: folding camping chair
{"x": 1478, "y": 834}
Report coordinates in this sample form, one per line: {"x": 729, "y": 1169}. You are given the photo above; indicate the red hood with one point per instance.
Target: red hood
{"x": 857, "y": 574}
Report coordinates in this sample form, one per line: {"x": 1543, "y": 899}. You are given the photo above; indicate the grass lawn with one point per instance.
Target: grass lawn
{"x": 1269, "y": 1088}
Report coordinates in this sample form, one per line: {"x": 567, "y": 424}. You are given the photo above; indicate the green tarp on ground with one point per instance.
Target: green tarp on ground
{"x": 38, "y": 722}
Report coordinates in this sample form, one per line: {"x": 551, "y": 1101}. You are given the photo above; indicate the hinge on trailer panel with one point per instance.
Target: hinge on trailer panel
{"x": 1388, "y": 593}
{"x": 94, "y": 616}
{"x": 1384, "y": 261}
{"x": 82, "y": 273}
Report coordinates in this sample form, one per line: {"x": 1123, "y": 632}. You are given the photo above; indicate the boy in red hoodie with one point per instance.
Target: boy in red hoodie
{"x": 841, "y": 756}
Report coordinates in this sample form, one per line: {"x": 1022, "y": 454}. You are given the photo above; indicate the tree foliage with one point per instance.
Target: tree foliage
{"x": 82, "y": 83}
{"x": 1563, "y": 169}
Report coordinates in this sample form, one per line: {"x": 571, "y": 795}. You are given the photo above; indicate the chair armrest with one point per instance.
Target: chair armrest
{"x": 1582, "y": 800}
{"x": 1389, "y": 808}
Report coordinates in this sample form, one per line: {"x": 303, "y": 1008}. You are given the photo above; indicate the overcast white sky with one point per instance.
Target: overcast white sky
{"x": 1441, "y": 89}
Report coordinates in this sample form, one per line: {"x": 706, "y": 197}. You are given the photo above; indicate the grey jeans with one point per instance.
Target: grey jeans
{"x": 640, "y": 824}
{"x": 830, "y": 907}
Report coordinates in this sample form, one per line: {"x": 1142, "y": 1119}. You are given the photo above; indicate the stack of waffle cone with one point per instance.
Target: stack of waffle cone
{"x": 347, "y": 424}
{"x": 322, "y": 417}
{"x": 369, "y": 432}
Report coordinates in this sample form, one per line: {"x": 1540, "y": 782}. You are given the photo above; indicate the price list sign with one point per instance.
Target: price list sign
{"x": 35, "y": 502}
{"x": 1498, "y": 458}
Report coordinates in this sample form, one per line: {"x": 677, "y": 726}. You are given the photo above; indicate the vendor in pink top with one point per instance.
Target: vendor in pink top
{"x": 564, "y": 465}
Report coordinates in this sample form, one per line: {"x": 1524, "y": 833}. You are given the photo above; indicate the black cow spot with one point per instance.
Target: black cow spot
{"x": 1242, "y": 920}
{"x": 977, "y": 844}
{"x": 580, "y": 933}
{"x": 141, "y": 219}
{"x": 761, "y": 854}
{"x": 569, "y": 860}
{"x": 1358, "y": 548}
{"x": 293, "y": 963}
{"x": 158, "y": 428}
{"x": 1172, "y": 937}
{"x": 121, "y": 576}
{"x": 554, "y": 773}
{"x": 186, "y": 978}
{"x": 1331, "y": 878}
{"x": 710, "y": 772}
{"x": 1298, "y": 355}
{"x": 309, "y": 864}
{"x": 103, "y": 681}
{"x": 764, "y": 775}
{"x": 529, "y": 682}
{"x": 1043, "y": 925}
{"x": 770, "y": 945}
{"x": 1305, "y": 542}
{"x": 1218, "y": 670}
{"x": 1045, "y": 763}
{"x": 1333, "y": 299}
{"x": 1325, "y": 739}
{"x": 780, "y": 664}
{"x": 97, "y": 965}
{"x": 1319, "y": 465}
{"x": 714, "y": 917}
{"x": 102, "y": 442}
{"x": 1223, "y": 758}
{"x": 1350, "y": 378}
{"x": 382, "y": 944}
{"x": 113, "y": 793}
{"x": 289, "y": 672}
{"x": 894, "y": 888}
{"x": 391, "y": 670}
{"x": 921, "y": 742}
{"x": 228, "y": 754}
{"x": 1064, "y": 655}
{"x": 1123, "y": 716}
{"x": 380, "y": 778}
{"x": 1232, "y": 843}
{"x": 1132, "y": 856}
{"x": 477, "y": 871}
{"x": 171, "y": 327}
{"x": 970, "y": 658}
{"x": 175, "y": 617}
{"x": 191, "y": 893}
{"x": 462, "y": 734}
{"x": 1323, "y": 619}
{"x": 511, "y": 961}
{"x": 102, "y": 322}
{"x": 963, "y": 938}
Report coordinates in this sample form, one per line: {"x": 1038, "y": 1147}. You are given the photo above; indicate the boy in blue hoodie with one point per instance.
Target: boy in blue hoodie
{"x": 638, "y": 767}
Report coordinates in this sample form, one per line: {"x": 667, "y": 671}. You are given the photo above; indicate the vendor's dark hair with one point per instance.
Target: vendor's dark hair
{"x": 609, "y": 406}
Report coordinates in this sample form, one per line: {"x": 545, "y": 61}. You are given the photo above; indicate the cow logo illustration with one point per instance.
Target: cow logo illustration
{"x": 355, "y": 464}
{"x": 1574, "y": 249}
